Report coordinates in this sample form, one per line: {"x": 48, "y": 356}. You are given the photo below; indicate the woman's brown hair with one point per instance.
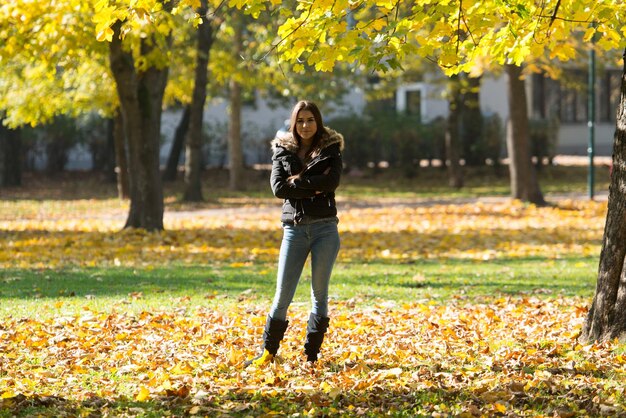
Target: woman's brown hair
{"x": 321, "y": 131}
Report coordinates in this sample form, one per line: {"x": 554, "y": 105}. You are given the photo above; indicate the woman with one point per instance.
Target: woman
{"x": 306, "y": 168}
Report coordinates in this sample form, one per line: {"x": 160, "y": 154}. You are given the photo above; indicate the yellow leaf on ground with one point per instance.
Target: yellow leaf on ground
{"x": 8, "y": 394}
{"x": 143, "y": 394}
{"x": 499, "y": 407}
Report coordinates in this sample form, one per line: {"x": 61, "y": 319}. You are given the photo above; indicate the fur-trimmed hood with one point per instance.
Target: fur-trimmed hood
{"x": 288, "y": 141}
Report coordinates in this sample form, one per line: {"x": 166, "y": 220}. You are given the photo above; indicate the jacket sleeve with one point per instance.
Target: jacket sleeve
{"x": 281, "y": 187}
{"x": 324, "y": 182}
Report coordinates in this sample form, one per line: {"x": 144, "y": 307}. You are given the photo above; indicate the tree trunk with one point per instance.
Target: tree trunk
{"x": 455, "y": 176}
{"x": 473, "y": 143}
{"x": 171, "y": 168}
{"x": 193, "y": 155}
{"x": 59, "y": 141}
{"x": 607, "y": 316}
{"x": 235, "y": 153}
{"x": 10, "y": 156}
{"x": 109, "y": 165}
{"x": 524, "y": 184}
{"x": 141, "y": 97}
{"x": 121, "y": 158}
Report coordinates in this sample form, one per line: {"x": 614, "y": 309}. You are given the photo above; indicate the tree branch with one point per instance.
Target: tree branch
{"x": 274, "y": 47}
{"x": 458, "y": 28}
{"x": 553, "y": 18}
{"x": 556, "y": 10}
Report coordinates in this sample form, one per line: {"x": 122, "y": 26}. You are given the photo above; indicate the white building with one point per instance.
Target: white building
{"x": 259, "y": 124}
{"x": 545, "y": 98}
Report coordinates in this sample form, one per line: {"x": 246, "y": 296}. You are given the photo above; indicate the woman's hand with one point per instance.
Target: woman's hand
{"x": 292, "y": 179}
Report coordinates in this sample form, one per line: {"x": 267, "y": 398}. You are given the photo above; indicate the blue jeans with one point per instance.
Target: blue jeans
{"x": 321, "y": 240}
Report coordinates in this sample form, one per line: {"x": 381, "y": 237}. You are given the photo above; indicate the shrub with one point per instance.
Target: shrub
{"x": 400, "y": 140}
{"x": 493, "y": 134}
{"x": 543, "y": 139}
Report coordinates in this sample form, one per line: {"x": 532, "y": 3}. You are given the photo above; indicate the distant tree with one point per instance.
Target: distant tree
{"x": 235, "y": 151}
{"x": 61, "y": 135}
{"x": 178, "y": 142}
{"x": 121, "y": 157}
{"x": 10, "y": 156}
{"x": 205, "y": 34}
{"x": 78, "y": 57}
{"x": 99, "y": 137}
{"x": 140, "y": 89}
{"x": 472, "y": 123}
{"x": 452, "y": 138}
{"x": 524, "y": 183}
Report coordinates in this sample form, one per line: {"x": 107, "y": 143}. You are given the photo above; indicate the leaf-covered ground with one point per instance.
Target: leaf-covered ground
{"x": 514, "y": 356}
{"x": 493, "y": 354}
{"x": 477, "y": 230}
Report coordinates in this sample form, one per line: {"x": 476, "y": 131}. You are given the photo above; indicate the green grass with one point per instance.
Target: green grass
{"x": 49, "y": 292}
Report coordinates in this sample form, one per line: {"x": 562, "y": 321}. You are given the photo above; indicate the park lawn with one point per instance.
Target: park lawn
{"x": 439, "y": 307}
{"x": 69, "y": 290}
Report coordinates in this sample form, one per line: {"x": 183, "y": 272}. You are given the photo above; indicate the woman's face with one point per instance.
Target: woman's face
{"x": 306, "y": 126}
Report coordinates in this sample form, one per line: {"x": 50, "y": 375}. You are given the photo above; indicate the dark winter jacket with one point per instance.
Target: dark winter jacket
{"x": 312, "y": 195}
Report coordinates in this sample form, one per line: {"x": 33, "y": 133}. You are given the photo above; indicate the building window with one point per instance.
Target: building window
{"x": 414, "y": 102}
{"x": 609, "y": 87}
{"x": 409, "y": 99}
{"x": 546, "y": 95}
{"x": 567, "y": 97}
{"x": 573, "y": 96}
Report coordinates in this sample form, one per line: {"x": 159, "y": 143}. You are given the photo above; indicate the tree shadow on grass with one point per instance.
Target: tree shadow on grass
{"x": 382, "y": 280}
{"x": 193, "y": 261}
